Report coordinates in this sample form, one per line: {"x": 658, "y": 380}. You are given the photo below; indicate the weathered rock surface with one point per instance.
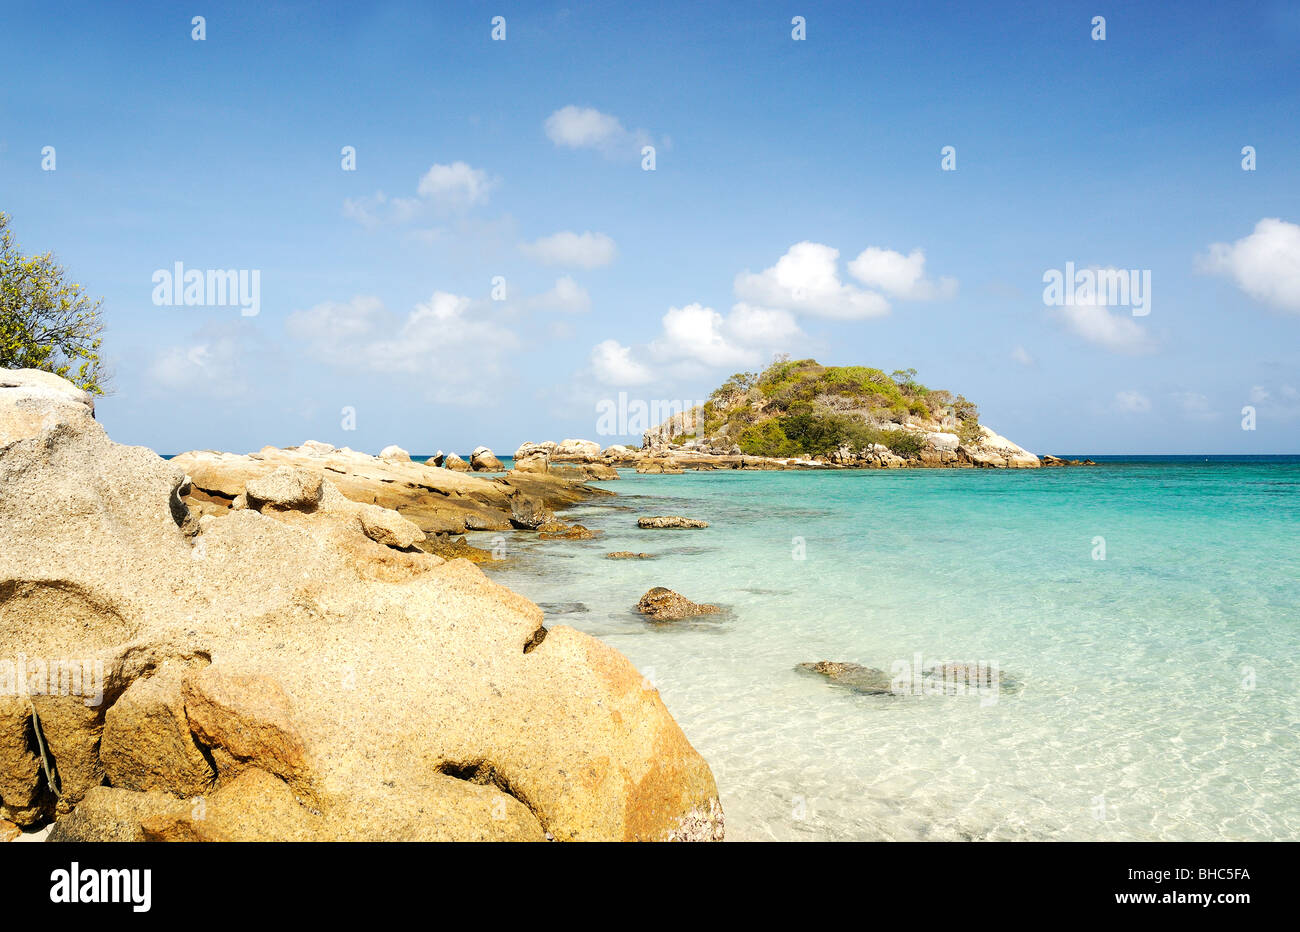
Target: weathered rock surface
{"x": 32, "y": 401}
{"x": 436, "y": 500}
{"x": 286, "y": 487}
{"x": 670, "y": 522}
{"x": 336, "y": 688}
{"x": 867, "y": 680}
{"x": 665, "y": 605}
{"x": 579, "y": 451}
{"x": 484, "y": 460}
{"x": 558, "y": 530}
{"x": 529, "y": 513}
{"x": 147, "y": 742}
{"x": 449, "y": 548}
{"x": 658, "y": 466}
{"x": 455, "y": 463}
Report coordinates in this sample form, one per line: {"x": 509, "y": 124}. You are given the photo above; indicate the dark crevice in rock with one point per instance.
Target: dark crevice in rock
{"x": 48, "y": 767}
{"x": 535, "y": 640}
{"x": 484, "y": 773}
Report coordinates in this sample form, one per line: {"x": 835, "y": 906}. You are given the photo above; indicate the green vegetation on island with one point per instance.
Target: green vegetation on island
{"x": 802, "y": 408}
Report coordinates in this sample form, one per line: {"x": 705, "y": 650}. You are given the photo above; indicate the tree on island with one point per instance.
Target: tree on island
{"x": 47, "y": 322}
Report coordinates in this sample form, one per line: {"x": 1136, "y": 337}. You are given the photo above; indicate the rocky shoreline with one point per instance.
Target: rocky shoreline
{"x": 295, "y": 644}
{"x": 658, "y": 455}
{"x": 258, "y": 647}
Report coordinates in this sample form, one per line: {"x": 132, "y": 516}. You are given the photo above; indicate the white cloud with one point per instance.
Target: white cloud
{"x": 613, "y": 364}
{"x": 378, "y": 208}
{"x": 1265, "y": 264}
{"x": 584, "y": 250}
{"x": 582, "y": 127}
{"x": 455, "y": 185}
{"x": 1021, "y": 355}
{"x": 899, "y": 275}
{"x": 449, "y": 339}
{"x": 218, "y": 361}
{"x": 762, "y": 326}
{"x": 567, "y": 295}
{"x": 1132, "y": 402}
{"x": 702, "y": 334}
{"x": 1117, "y": 332}
{"x": 696, "y": 337}
{"x": 210, "y": 365}
{"x": 575, "y": 127}
{"x": 806, "y": 280}
{"x": 443, "y": 187}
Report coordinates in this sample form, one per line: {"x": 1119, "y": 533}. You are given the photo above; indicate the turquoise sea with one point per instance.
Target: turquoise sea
{"x": 1161, "y": 685}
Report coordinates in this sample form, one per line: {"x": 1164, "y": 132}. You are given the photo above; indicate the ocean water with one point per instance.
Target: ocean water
{"x": 1160, "y": 686}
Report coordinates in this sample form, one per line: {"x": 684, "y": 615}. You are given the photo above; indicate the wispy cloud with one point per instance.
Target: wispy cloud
{"x": 584, "y": 250}
{"x": 443, "y": 188}
{"x": 442, "y": 338}
{"x": 1116, "y": 331}
{"x": 575, "y": 127}
{"x": 1132, "y": 402}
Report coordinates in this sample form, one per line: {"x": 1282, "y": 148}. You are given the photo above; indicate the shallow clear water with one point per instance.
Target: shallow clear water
{"x": 1161, "y": 685}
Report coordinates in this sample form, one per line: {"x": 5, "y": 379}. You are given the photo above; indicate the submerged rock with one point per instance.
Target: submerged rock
{"x": 628, "y": 555}
{"x": 556, "y": 530}
{"x": 665, "y": 522}
{"x": 963, "y": 676}
{"x": 867, "y": 680}
{"x": 444, "y": 546}
{"x": 663, "y": 604}
{"x": 335, "y": 688}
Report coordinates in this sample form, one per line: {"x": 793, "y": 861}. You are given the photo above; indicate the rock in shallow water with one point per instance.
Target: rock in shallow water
{"x": 668, "y": 522}
{"x": 663, "y": 604}
{"x": 867, "y": 680}
{"x": 628, "y": 555}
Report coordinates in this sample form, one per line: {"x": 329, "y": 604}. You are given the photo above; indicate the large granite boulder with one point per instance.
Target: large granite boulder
{"x": 994, "y": 450}
{"x": 576, "y": 451}
{"x": 394, "y": 454}
{"x": 484, "y": 460}
{"x": 280, "y": 674}
{"x": 32, "y": 401}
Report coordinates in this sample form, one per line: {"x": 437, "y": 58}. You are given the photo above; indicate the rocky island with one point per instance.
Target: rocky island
{"x": 802, "y": 415}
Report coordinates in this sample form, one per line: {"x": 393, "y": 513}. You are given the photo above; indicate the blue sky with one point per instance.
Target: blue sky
{"x": 794, "y": 183}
